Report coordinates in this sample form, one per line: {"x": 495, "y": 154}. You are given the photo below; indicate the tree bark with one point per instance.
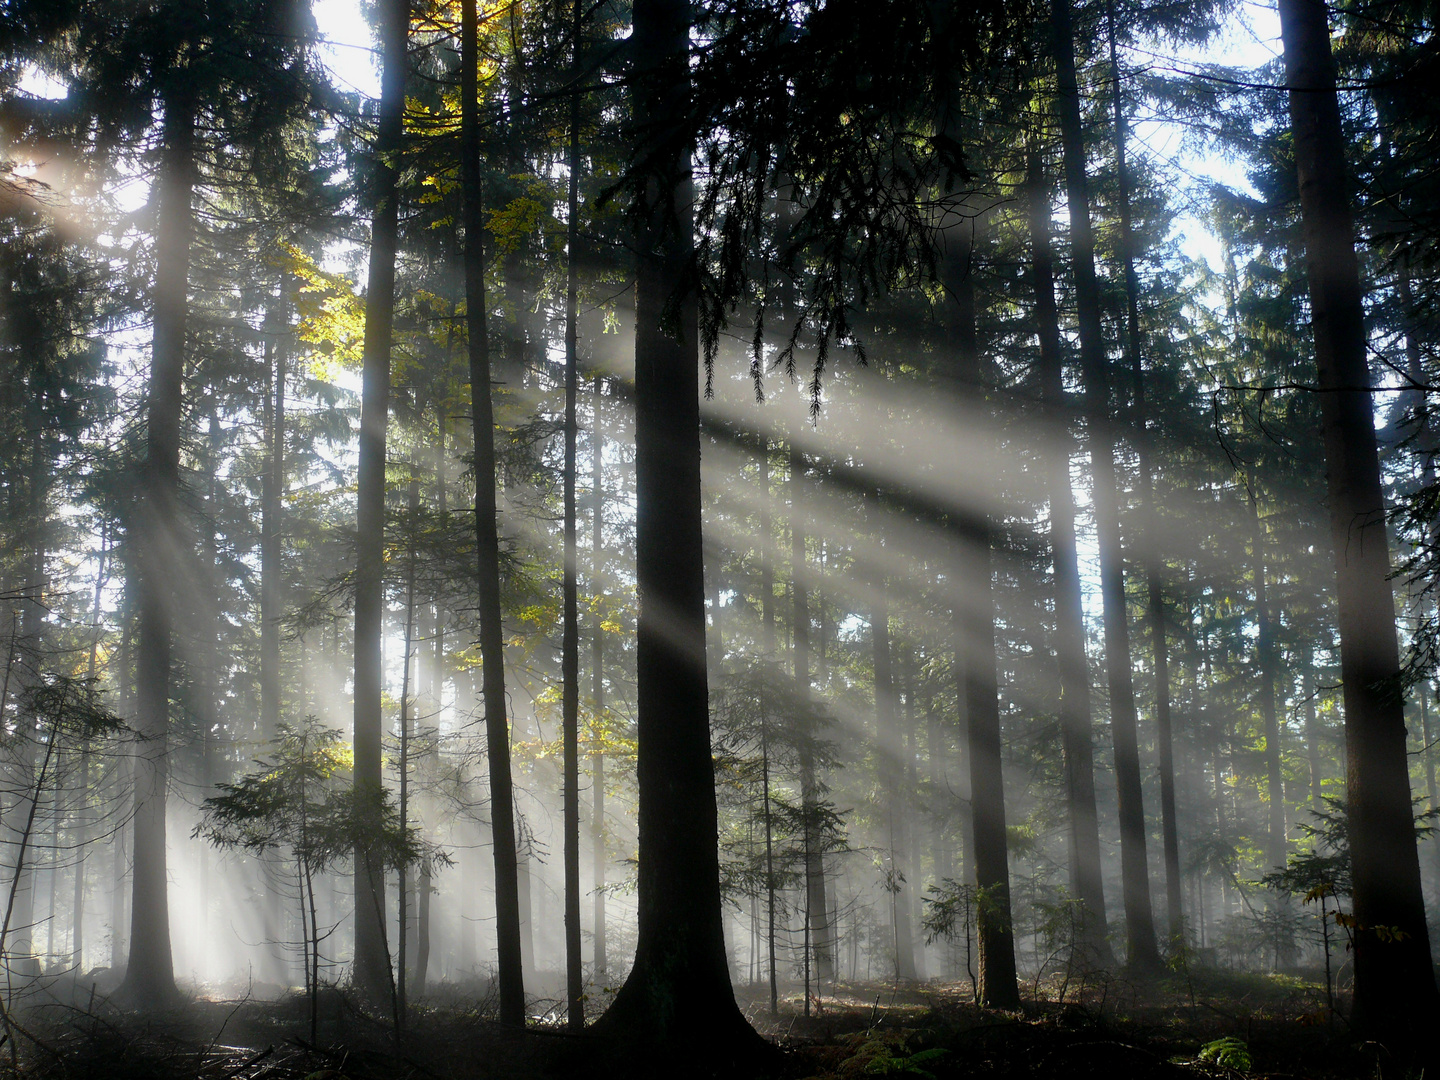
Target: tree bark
{"x": 272, "y": 495}
{"x": 1394, "y": 981}
{"x": 816, "y": 910}
{"x": 1151, "y": 560}
{"x": 1141, "y": 949}
{"x": 1076, "y": 724}
{"x": 371, "y": 972}
{"x": 597, "y": 677}
{"x": 679, "y": 987}
{"x": 570, "y": 644}
{"x": 1265, "y": 646}
{"x": 149, "y": 973}
{"x": 492, "y": 638}
{"x": 973, "y": 637}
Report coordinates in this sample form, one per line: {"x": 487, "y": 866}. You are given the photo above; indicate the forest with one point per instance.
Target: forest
{"x": 738, "y": 538}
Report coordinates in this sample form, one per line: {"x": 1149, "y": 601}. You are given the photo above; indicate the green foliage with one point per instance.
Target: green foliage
{"x": 1227, "y": 1053}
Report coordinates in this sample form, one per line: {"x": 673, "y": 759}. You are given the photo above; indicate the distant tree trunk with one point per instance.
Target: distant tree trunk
{"x": 570, "y": 644}
{"x": 1141, "y": 949}
{"x": 597, "y": 684}
{"x": 1394, "y": 982}
{"x": 1310, "y": 689}
{"x": 817, "y": 911}
{"x": 161, "y": 548}
{"x": 1151, "y": 559}
{"x": 372, "y": 965}
{"x": 83, "y": 813}
{"x": 1265, "y": 647}
{"x": 272, "y": 495}
{"x": 679, "y": 989}
{"x": 1076, "y": 724}
{"x": 973, "y": 638}
{"x": 492, "y": 635}
{"x": 891, "y": 743}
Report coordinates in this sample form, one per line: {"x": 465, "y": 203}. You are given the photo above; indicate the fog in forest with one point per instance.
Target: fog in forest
{"x": 802, "y": 529}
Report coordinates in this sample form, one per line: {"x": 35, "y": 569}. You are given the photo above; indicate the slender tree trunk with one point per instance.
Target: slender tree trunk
{"x": 149, "y": 974}
{"x": 597, "y": 684}
{"x": 816, "y": 909}
{"x": 492, "y": 636}
{"x": 1394, "y": 980}
{"x": 1265, "y": 646}
{"x": 1076, "y": 724}
{"x": 973, "y": 638}
{"x": 570, "y": 645}
{"x": 1151, "y": 559}
{"x": 1141, "y": 949}
{"x": 272, "y": 495}
{"x": 679, "y": 987}
{"x": 371, "y": 966}
{"x": 83, "y": 814}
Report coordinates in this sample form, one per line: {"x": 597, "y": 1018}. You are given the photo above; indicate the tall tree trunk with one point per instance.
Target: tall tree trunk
{"x": 83, "y": 813}
{"x": 570, "y": 645}
{"x": 372, "y": 966}
{"x": 817, "y": 912}
{"x": 149, "y": 972}
{"x": 272, "y": 495}
{"x": 492, "y": 635}
{"x": 597, "y": 683}
{"x": 679, "y": 987}
{"x": 1394, "y": 981}
{"x": 1141, "y": 949}
{"x": 1151, "y": 558}
{"x": 973, "y": 641}
{"x": 1265, "y": 646}
{"x": 891, "y": 742}
{"x": 1076, "y": 724}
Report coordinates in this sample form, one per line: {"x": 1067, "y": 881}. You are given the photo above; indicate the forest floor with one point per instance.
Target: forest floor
{"x": 1209, "y": 1024}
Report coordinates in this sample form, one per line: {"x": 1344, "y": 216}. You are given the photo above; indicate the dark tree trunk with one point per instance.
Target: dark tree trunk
{"x": 679, "y": 987}
{"x": 597, "y": 676}
{"x": 1394, "y": 981}
{"x": 162, "y": 546}
{"x": 1141, "y": 949}
{"x": 817, "y": 912}
{"x": 492, "y": 637}
{"x": 372, "y": 965}
{"x": 1151, "y": 558}
{"x": 570, "y": 645}
{"x": 272, "y": 495}
{"x": 1265, "y": 647}
{"x": 1076, "y": 723}
{"x": 973, "y": 636}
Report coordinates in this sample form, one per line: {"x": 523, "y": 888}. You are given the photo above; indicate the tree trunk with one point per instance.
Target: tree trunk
{"x": 272, "y": 495}
{"x": 1076, "y": 724}
{"x": 149, "y": 973}
{"x": 1265, "y": 646}
{"x": 1151, "y": 559}
{"x": 1141, "y": 949}
{"x": 492, "y": 636}
{"x": 372, "y": 966}
{"x": 973, "y": 638}
{"x": 679, "y": 987}
{"x": 570, "y": 645}
{"x": 1394, "y": 981}
{"x": 817, "y": 912}
{"x": 597, "y": 676}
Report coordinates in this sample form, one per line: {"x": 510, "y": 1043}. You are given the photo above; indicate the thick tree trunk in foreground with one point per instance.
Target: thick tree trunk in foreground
{"x": 149, "y": 972}
{"x": 1076, "y": 723}
{"x": 1394, "y": 982}
{"x": 678, "y": 990}
{"x": 372, "y": 966}
{"x": 492, "y": 638}
{"x": 1141, "y": 949}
